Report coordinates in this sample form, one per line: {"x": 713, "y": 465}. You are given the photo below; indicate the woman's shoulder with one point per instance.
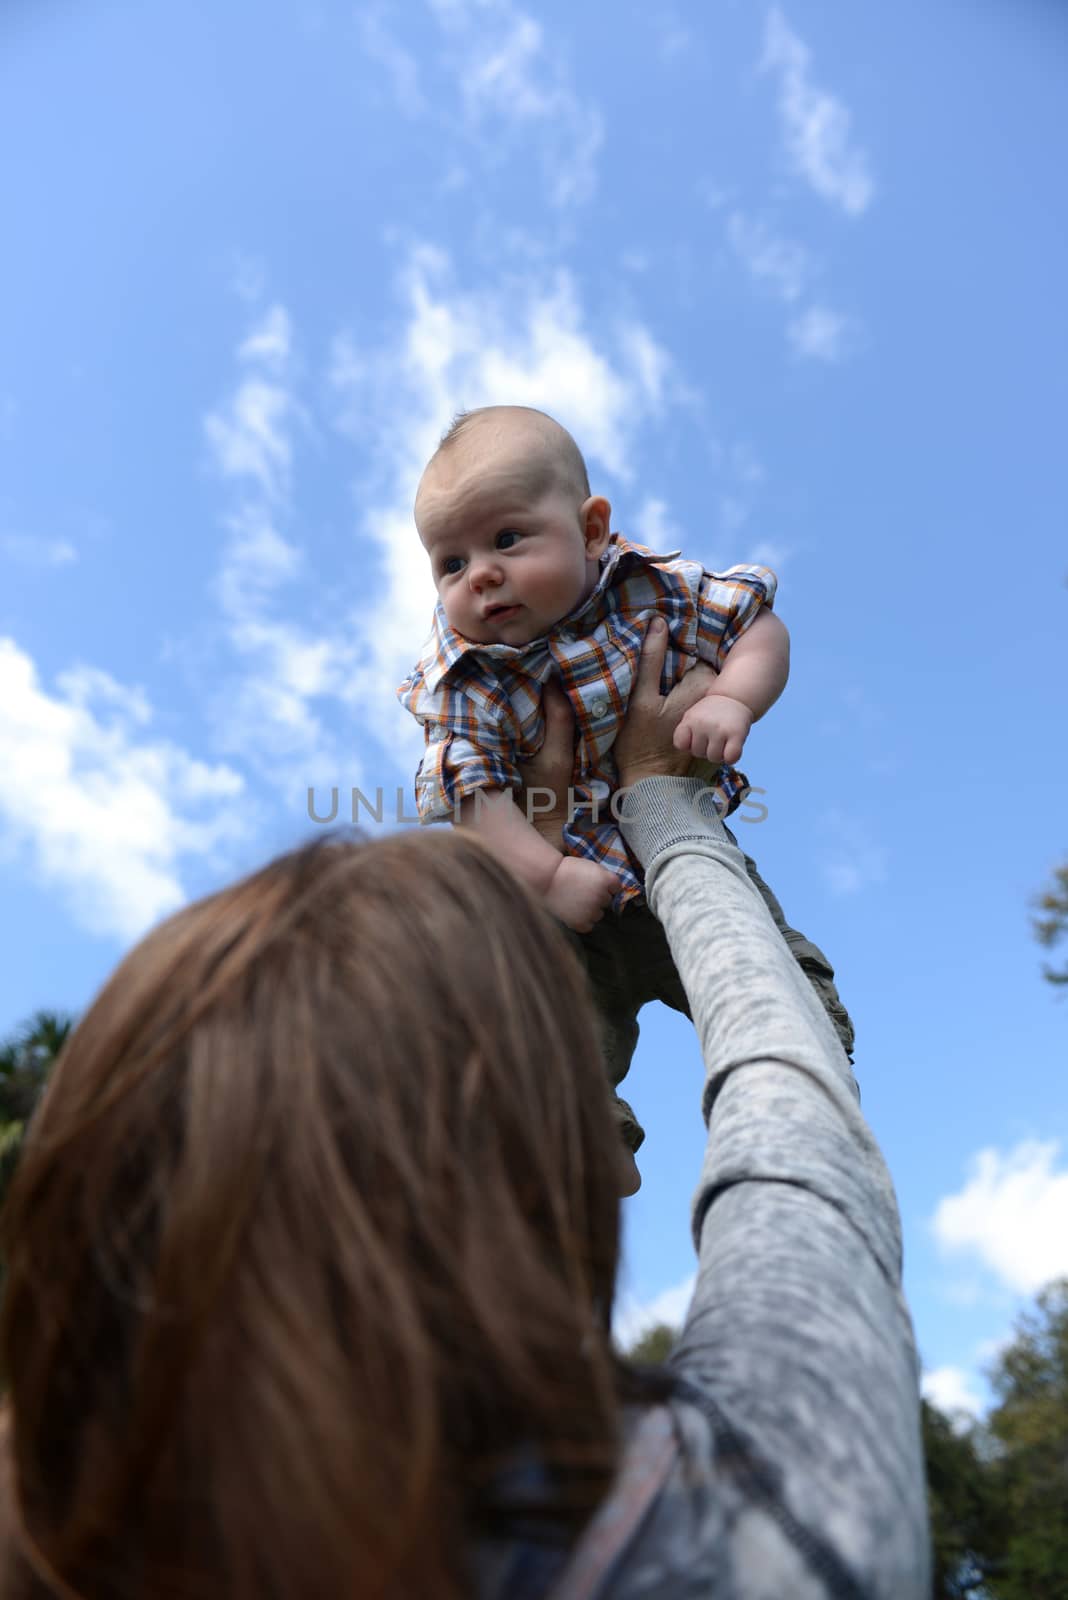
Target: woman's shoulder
{"x": 711, "y": 1514}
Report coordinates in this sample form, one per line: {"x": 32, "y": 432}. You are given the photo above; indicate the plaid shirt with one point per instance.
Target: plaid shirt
{"x": 480, "y": 704}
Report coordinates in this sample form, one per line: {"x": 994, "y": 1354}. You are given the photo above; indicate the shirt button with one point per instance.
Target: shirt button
{"x": 567, "y": 635}
{"x": 599, "y": 707}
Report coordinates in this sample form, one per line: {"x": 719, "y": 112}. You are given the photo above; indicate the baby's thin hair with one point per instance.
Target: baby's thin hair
{"x": 570, "y": 462}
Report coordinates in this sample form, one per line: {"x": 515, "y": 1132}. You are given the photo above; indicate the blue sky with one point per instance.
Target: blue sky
{"x": 794, "y": 276}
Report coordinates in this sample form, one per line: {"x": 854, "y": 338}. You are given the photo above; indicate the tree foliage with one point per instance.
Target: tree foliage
{"x": 654, "y": 1346}
{"x": 967, "y": 1526}
{"x": 1029, "y": 1428}
{"x": 26, "y": 1059}
{"x": 1052, "y": 926}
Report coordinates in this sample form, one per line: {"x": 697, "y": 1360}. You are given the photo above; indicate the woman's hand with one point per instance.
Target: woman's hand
{"x": 547, "y": 776}
{"x": 645, "y": 746}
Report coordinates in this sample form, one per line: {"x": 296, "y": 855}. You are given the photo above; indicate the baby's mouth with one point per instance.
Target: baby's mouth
{"x": 499, "y": 613}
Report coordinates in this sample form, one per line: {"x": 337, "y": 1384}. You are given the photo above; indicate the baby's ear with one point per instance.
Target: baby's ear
{"x": 596, "y": 517}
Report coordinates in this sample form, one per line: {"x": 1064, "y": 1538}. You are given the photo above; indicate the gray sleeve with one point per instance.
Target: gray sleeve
{"x": 798, "y": 1332}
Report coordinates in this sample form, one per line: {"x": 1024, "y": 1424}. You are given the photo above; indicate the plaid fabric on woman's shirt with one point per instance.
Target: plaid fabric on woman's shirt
{"x": 480, "y": 704}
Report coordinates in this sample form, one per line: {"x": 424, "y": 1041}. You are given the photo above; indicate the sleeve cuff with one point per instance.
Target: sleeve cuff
{"x": 659, "y": 813}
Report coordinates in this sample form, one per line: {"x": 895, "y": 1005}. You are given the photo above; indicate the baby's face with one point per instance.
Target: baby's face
{"x": 509, "y": 554}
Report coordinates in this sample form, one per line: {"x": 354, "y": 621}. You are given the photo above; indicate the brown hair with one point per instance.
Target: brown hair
{"x": 558, "y": 457}
{"x": 317, "y": 1227}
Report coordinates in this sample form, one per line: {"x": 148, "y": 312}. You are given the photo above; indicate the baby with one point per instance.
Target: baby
{"x": 532, "y": 584}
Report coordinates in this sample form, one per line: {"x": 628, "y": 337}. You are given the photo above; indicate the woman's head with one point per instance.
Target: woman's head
{"x": 318, "y": 1222}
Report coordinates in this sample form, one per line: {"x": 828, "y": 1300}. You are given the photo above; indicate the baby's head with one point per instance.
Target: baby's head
{"x": 505, "y": 514}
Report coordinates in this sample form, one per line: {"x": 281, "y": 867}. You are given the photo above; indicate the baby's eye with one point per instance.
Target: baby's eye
{"x": 452, "y": 565}
{"x": 506, "y": 538}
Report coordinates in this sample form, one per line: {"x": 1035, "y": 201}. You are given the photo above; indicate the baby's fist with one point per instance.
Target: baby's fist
{"x": 580, "y": 892}
{"x": 715, "y": 729}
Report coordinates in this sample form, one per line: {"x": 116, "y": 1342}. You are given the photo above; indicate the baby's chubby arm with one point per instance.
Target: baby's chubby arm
{"x": 750, "y": 681}
{"x": 578, "y": 892}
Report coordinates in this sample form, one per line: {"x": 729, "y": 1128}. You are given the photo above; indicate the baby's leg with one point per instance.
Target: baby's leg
{"x": 623, "y": 957}
{"x": 810, "y": 958}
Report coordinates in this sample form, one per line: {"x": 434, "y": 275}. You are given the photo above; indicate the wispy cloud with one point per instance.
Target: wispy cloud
{"x": 784, "y": 269}
{"x": 673, "y": 37}
{"x": 820, "y": 334}
{"x": 106, "y": 813}
{"x": 399, "y": 65}
{"x": 1011, "y": 1215}
{"x": 269, "y": 710}
{"x": 30, "y": 551}
{"x": 249, "y": 436}
{"x": 781, "y": 265}
{"x": 514, "y": 80}
{"x": 855, "y": 862}
{"x": 269, "y": 343}
{"x": 455, "y": 347}
{"x": 816, "y": 125}
{"x": 247, "y": 277}
{"x": 767, "y": 554}
{"x": 655, "y": 526}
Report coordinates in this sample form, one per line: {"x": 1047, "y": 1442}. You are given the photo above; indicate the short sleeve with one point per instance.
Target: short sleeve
{"x": 728, "y": 604}
{"x": 454, "y": 765}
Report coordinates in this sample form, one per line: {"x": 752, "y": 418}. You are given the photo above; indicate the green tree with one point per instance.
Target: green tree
{"x": 968, "y": 1532}
{"x": 654, "y": 1346}
{"x": 1029, "y": 1425}
{"x": 26, "y": 1059}
{"x": 1052, "y": 926}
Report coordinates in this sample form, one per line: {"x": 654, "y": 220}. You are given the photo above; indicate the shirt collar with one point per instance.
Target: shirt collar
{"x": 446, "y": 648}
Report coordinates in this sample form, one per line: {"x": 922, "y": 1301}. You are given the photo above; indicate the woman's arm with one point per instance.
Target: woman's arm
{"x": 798, "y": 1333}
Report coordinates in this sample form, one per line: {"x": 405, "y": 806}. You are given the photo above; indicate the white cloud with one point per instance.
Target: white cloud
{"x": 29, "y": 551}
{"x": 399, "y": 65}
{"x": 816, "y": 126}
{"x": 775, "y": 556}
{"x": 269, "y": 710}
{"x": 821, "y": 335}
{"x": 1011, "y": 1215}
{"x": 654, "y": 526}
{"x": 954, "y": 1391}
{"x": 745, "y": 464}
{"x": 106, "y": 814}
{"x": 785, "y": 269}
{"x": 855, "y": 863}
{"x": 524, "y": 344}
{"x": 249, "y": 438}
{"x": 247, "y": 277}
{"x": 257, "y": 560}
{"x": 270, "y": 342}
{"x": 633, "y": 1317}
{"x": 780, "y": 264}
{"x": 512, "y": 80}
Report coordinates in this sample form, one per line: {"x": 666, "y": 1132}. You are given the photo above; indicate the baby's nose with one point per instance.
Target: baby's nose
{"x": 484, "y": 572}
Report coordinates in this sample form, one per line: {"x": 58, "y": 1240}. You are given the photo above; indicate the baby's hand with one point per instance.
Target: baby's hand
{"x": 580, "y": 892}
{"x": 715, "y": 729}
